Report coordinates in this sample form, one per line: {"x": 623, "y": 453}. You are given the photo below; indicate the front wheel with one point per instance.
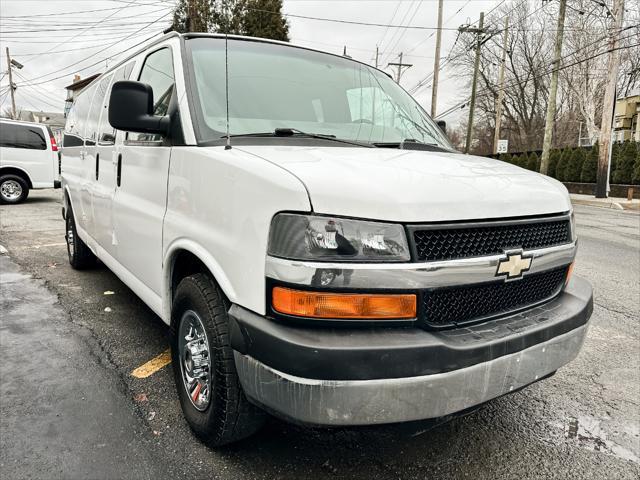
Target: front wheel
{"x": 80, "y": 256}
{"x": 204, "y": 369}
{"x": 13, "y": 189}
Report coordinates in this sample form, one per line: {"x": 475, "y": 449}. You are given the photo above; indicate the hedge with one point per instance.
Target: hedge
{"x": 581, "y": 164}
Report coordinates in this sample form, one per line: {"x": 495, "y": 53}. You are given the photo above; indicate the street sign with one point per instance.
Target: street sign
{"x": 503, "y": 146}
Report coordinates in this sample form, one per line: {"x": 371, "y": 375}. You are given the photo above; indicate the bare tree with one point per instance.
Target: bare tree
{"x": 528, "y": 70}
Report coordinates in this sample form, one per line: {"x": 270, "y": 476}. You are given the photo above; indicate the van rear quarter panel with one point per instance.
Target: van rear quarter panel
{"x": 219, "y": 207}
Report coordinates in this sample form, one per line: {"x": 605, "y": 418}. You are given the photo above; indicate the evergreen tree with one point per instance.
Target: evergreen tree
{"x": 636, "y": 169}
{"x": 554, "y": 156}
{"x": 574, "y": 166}
{"x": 590, "y": 166}
{"x": 616, "y": 150}
{"x": 533, "y": 162}
{"x": 505, "y": 157}
{"x": 202, "y": 18}
{"x": 254, "y": 18}
{"x": 562, "y": 164}
{"x": 626, "y": 163}
{"x": 264, "y": 19}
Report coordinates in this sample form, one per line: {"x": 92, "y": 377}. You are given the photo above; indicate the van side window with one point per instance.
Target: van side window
{"x": 22, "y": 136}
{"x": 94, "y": 113}
{"x": 107, "y": 135}
{"x": 157, "y": 72}
{"x": 74, "y": 131}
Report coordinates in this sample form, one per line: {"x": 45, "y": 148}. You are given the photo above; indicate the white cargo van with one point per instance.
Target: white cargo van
{"x": 316, "y": 245}
{"x": 28, "y": 159}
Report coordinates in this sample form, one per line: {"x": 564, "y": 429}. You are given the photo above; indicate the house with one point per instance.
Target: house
{"x": 54, "y": 120}
{"x": 626, "y": 124}
{"x": 76, "y": 87}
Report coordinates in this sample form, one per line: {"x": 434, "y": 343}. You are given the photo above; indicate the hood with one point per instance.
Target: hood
{"x": 415, "y": 186}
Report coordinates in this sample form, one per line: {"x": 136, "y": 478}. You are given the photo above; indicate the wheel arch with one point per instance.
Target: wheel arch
{"x": 67, "y": 204}
{"x": 11, "y": 170}
{"x": 183, "y": 258}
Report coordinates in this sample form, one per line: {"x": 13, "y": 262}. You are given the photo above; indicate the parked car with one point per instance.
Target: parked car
{"x": 317, "y": 247}
{"x": 28, "y": 159}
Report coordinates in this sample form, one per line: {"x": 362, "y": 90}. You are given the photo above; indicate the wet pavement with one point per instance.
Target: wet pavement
{"x": 69, "y": 407}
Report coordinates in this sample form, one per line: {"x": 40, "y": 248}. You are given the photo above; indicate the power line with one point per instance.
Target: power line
{"x": 514, "y": 83}
{"x": 99, "y": 51}
{"x": 349, "y": 22}
{"x": 93, "y": 64}
{"x": 449, "y": 59}
{"x": 40, "y": 96}
{"x": 433, "y": 33}
{"x": 131, "y": 3}
{"x": 66, "y": 14}
{"x": 400, "y": 32}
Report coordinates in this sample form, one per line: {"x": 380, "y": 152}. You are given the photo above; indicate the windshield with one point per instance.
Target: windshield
{"x": 274, "y": 86}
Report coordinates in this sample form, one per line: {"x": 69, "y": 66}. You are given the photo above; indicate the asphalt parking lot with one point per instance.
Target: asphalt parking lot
{"x": 70, "y": 407}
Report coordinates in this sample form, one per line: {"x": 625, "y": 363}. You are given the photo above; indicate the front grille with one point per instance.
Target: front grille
{"x": 449, "y": 243}
{"x": 457, "y": 305}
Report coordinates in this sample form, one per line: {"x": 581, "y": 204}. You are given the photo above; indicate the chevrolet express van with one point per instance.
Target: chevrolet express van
{"x": 317, "y": 247}
{"x": 28, "y": 159}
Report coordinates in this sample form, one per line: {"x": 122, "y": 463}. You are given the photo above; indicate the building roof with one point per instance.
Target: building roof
{"x": 53, "y": 119}
{"x": 81, "y": 83}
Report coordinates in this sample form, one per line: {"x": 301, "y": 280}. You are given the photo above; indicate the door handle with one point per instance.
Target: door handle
{"x": 97, "y": 165}
{"x": 119, "y": 170}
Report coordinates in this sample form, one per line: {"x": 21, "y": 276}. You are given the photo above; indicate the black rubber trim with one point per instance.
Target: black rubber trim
{"x": 57, "y": 184}
{"x": 375, "y": 353}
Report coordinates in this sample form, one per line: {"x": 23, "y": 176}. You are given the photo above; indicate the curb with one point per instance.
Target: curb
{"x": 626, "y": 206}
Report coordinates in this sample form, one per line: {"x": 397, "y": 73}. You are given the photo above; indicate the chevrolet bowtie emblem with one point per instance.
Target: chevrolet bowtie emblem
{"x": 514, "y": 265}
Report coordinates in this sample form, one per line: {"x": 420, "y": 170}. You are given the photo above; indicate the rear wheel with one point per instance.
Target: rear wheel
{"x": 204, "y": 369}
{"x": 80, "y": 256}
{"x": 13, "y": 189}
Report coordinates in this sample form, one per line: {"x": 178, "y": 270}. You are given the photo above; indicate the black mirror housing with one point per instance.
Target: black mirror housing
{"x": 131, "y": 109}
{"x": 443, "y": 125}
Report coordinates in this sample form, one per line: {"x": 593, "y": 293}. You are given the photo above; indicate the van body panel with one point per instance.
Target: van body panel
{"x": 138, "y": 209}
{"x": 211, "y": 192}
{"x": 416, "y": 186}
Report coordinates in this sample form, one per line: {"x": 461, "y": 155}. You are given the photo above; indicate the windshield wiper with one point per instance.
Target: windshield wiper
{"x": 294, "y": 132}
{"x": 412, "y": 144}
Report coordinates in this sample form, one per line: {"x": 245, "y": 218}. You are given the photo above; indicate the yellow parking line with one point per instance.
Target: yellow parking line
{"x": 153, "y": 365}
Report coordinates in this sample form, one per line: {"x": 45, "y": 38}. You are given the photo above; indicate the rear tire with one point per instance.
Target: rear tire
{"x": 80, "y": 256}
{"x": 208, "y": 386}
{"x": 13, "y": 189}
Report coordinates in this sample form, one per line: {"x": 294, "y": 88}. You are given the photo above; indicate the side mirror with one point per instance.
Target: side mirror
{"x": 131, "y": 109}
{"x": 443, "y": 125}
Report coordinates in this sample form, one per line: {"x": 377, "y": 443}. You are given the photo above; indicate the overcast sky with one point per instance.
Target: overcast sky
{"x": 54, "y": 39}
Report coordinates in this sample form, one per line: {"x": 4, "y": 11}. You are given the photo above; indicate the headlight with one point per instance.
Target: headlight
{"x": 573, "y": 226}
{"x": 310, "y": 237}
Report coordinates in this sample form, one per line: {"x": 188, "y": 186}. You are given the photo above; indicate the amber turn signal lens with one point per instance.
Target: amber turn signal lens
{"x": 342, "y": 305}
{"x": 569, "y": 273}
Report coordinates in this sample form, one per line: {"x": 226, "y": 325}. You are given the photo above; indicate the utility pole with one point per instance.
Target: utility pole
{"x": 496, "y": 135}
{"x": 472, "y": 105}
{"x": 436, "y": 63}
{"x": 553, "y": 90}
{"x": 191, "y": 15}
{"x": 400, "y": 66}
{"x": 11, "y": 87}
{"x": 609, "y": 101}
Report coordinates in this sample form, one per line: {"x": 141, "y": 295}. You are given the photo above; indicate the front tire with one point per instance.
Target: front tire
{"x": 13, "y": 189}
{"x": 80, "y": 255}
{"x": 208, "y": 386}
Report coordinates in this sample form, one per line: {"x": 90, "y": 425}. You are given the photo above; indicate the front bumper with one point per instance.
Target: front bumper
{"x": 374, "y": 376}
